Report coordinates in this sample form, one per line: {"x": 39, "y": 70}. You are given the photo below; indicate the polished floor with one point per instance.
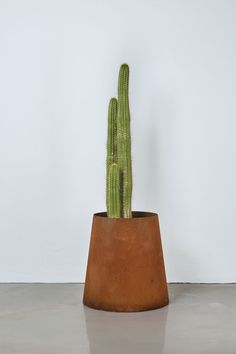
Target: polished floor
{"x": 50, "y": 319}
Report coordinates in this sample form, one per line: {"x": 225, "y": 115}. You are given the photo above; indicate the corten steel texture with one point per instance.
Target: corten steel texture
{"x": 125, "y": 270}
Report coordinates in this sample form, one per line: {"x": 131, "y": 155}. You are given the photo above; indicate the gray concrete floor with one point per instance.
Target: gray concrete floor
{"x": 50, "y": 319}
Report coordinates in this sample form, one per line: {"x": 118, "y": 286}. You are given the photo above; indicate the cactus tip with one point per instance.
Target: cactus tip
{"x": 124, "y": 66}
{"x": 113, "y": 100}
{"x": 124, "y": 69}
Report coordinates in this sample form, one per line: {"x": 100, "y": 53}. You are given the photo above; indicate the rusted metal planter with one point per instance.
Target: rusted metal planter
{"x": 125, "y": 270}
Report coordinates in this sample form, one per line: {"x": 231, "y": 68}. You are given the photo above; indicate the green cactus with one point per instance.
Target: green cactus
{"x": 124, "y": 141}
{"x": 113, "y": 195}
{"x": 119, "y": 151}
{"x": 111, "y": 153}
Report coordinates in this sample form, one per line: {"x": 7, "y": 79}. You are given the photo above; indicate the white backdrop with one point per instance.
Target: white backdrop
{"x": 59, "y": 62}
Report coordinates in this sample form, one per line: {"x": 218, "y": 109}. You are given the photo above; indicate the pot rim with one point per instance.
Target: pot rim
{"x": 135, "y": 215}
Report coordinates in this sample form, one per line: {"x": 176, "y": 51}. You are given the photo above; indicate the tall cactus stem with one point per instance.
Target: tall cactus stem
{"x": 124, "y": 141}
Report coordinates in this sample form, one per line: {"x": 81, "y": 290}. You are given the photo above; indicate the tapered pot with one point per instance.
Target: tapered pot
{"x": 125, "y": 270}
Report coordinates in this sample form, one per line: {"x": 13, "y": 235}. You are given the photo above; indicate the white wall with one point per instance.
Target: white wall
{"x": 59, "y": 63}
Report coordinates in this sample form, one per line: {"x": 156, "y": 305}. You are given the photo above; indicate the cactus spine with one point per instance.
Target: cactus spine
{"x": 119, "y": 165}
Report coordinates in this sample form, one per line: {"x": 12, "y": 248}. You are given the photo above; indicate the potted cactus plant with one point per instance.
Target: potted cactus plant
{"x": 125, "y": 270}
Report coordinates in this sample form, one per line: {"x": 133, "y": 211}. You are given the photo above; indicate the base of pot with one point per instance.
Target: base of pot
{"x": 125, "y": 271}
{"x": 118, "y": 308}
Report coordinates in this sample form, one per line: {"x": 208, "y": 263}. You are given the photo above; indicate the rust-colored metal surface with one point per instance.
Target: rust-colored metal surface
{"x": 125, "y": 270}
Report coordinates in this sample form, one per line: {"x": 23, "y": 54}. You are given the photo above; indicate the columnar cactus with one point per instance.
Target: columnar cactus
{"x": 113, "y": 191}
{"x": 112, "y": 158}
{"x": 119, "y": 169}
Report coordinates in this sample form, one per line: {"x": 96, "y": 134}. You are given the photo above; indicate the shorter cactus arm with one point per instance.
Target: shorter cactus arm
{"x": 111, "y": 146}
{"x": 113, "y": 192}
{"x": 112, "y": 132}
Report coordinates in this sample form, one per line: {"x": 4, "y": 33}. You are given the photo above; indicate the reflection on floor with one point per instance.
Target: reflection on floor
{"x": 50, "y": 319}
